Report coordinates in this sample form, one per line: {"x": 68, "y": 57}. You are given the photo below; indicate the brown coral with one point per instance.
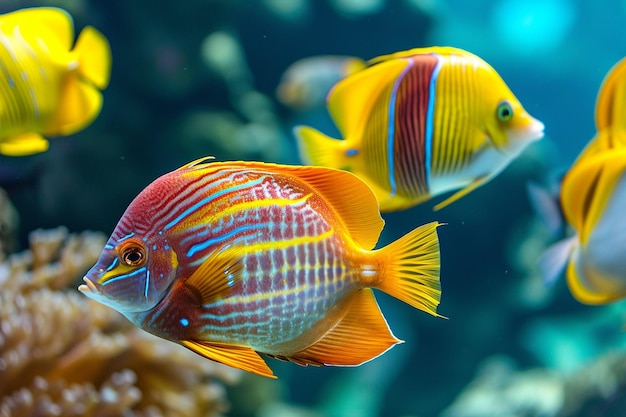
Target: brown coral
{"x": 63, "y": 354}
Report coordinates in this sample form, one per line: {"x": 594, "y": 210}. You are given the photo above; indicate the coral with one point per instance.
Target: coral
{"x": 500, "y": 390}
{"x": 63, "y": 354}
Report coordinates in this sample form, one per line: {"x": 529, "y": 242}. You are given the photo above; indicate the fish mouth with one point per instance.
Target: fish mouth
{"x": 535, "y": 131}
{"x": 88, "y": 288}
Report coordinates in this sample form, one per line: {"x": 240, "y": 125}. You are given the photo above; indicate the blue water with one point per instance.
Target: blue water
{"x": 165, "y": 106}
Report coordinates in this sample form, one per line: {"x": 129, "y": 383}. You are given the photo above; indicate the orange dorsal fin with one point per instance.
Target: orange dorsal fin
{"x": 217, "y": 275}
{"x": 361, "y": 335}
{"x": 351, "y": 100}
{"x": 46, "y": 22}
{"x": 611, "y": 102}
{"x": 240, "y": 357}
{"x": 351, "y": 199}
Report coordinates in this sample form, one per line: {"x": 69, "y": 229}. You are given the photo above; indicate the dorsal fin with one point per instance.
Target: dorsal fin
{"x": 217, "y": 275}
{"x": 46, "y": 21}
{"x": 611, "y": 102}
{"x": 349, "y": 196}
{"x": 439, "y": 50}
{"x": 351, "y": 100}
{"x": 353, "y": 201}
{"x": 360, "y": 336}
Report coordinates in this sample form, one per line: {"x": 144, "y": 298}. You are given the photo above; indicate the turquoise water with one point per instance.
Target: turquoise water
{"x": 179, "y": 92}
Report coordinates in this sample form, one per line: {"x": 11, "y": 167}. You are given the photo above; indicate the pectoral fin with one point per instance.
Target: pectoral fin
{"x": 360, "y": 336}
{"x": 462, "y": 193}
{"x": 216, "y": 276}
{"x": 240, "y": 357}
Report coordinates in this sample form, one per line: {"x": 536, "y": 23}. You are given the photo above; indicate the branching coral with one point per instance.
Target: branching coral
{"x": 62, "y": 354}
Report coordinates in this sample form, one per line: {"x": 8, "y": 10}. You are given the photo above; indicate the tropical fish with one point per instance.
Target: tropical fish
{"x": 420, "y": 123}
{"x": 234, "y": 259}
{"x": 305, "y": 83}
{"x": 47, "y": 89}
{"x": 609, "y": 113}
{"x": 593, "y": 199}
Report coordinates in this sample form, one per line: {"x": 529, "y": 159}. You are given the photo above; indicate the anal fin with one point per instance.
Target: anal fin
{"x": 24, "y": 144}
{"x": 361, "y": 335}
{"x": 241, "y": 357}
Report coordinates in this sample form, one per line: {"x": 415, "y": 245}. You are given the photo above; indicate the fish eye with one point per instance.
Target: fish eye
{"x": 505, "y": 111}
{"x": 132, "y": 254}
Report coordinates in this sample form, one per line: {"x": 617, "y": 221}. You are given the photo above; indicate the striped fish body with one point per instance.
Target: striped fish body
{"x": 28, "y": 72}
{"x": 230, "y": 259}
{"x": 420, "y": 123}
{"x": 47, "y": 88}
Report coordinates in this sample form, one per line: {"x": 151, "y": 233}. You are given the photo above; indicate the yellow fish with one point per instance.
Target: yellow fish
{"x": 47, "y": 89}
{"x": 593, "y": 201}
{"x": 420, "y": 123}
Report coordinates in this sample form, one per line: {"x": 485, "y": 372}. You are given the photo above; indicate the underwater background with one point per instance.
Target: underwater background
{"x": 199, "y": 77}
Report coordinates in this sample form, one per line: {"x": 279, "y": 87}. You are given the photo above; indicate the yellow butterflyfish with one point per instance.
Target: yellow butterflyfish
{"x": 48, "y": 88}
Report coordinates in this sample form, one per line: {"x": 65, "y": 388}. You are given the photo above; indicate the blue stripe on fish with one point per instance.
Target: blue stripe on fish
{"x": 211, "y": 198}
{"x": 113, "y": 265}
{"x": 391, "y": 130}
{"x": 201, "y": 246}
{"x": 430, "y": 114}
{"x": 147, "y": 286}
{"x": 128, "y": 236}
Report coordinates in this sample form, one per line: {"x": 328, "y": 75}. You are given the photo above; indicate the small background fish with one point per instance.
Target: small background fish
{"x": 306, "y": 82}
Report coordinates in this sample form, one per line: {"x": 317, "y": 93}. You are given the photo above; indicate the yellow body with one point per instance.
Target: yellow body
{"x": 593, "y": 199}
{"x": 47, "y": 88}
{"x": 419, "y": 123}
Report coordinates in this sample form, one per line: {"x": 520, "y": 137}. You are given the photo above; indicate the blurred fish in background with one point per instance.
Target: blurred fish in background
{"x": 234, "y": 259}
{"x": 48, "y": 87}
{"x": 593, "y": 200}
{"x": 420, "y": 123}
{"x": 305, "y": 83}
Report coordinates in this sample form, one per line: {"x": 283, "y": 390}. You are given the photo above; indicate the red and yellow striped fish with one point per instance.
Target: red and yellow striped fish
{"x": 234, "y": 259}
{"x": 420, "y": 123}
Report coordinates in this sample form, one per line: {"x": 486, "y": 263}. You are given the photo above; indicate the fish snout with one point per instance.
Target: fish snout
{"x": 535, "y": 130}
{"x": 88, "y": 288}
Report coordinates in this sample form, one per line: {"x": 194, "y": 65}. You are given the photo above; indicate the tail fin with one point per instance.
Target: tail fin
{"x": 320, "y": 150}
{"x": 94, "y": 57}
{"x": 81, "y": 99}
{"x": 411, "y": 269}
